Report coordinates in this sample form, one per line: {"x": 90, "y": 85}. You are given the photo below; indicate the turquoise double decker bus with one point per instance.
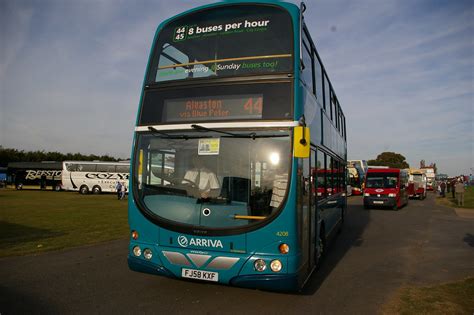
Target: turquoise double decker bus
{"x": 239, "y": 155}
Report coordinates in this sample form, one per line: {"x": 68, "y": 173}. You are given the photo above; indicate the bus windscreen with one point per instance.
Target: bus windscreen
{"x": 225, "y": 41}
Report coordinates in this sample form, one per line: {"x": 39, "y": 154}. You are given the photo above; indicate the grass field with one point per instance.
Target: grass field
{"x": 451, "y": 202}
{"x": 33, "y": 221}
{"x": 450, "y": 298}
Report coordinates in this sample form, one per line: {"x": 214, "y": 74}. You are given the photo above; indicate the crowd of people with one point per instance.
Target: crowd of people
{"x": 456, "y": 186}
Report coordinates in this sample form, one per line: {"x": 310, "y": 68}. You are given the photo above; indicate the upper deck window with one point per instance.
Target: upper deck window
{"x": 224, "y": 41}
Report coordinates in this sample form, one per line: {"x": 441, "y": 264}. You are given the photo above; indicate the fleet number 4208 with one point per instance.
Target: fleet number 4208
{"x": 282, "y": 233}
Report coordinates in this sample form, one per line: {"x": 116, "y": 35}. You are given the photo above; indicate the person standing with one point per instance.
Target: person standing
{"x": 460, "y": 193}
{"x": 118, "y": 187}
{"x": 123, "y": 190}
{"x": 453, "y": 189}
{"x": 443, "y": 189}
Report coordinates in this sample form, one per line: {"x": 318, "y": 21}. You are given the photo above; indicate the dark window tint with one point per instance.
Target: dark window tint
{"x": 224, "y": 41}
{"x": 318, "y": 79}
{"x": 327, "y": 94}
{"x": 86, "y": 168}
{"x": 307, "y": 67}
{"x": 321, "y": 174}
{"x": 108, "y": 168}
{"x": 123, "y": 169}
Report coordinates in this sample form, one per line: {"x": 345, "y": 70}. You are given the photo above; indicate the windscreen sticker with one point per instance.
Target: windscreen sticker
{"x": 209, "y": 146}
{"x": 215, "y": 68}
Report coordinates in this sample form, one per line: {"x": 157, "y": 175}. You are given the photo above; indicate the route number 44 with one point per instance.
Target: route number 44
{"x": 180, "y": 33}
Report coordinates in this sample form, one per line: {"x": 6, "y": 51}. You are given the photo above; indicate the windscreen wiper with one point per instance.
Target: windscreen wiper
{"x": 202, "y": 128}
{"x": 252, "y": 135}
{"x": 168, "y": 136}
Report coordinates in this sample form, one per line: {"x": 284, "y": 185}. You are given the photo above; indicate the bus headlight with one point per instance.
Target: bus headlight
{"x": 137, "y": 251}
{"x": 260, "y": 265}
{"x": 392, "y": 195}
{"x": 366, "y": 195}
{"x": 147, "y": 253}
{"x": 275, "y": 265}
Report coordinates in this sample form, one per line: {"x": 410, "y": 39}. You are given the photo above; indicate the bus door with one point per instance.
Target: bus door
{"x": 308, "y": 214}
{"x": 312, "y": 206}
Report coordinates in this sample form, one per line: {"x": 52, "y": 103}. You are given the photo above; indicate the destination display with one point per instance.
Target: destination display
{"x": 219, "y": 107}
{"x": 234, "y": 102}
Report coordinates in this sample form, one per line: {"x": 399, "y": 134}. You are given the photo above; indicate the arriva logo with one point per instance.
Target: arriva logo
{"x": 203, "y": 242}
{"x": 183, "y": 241}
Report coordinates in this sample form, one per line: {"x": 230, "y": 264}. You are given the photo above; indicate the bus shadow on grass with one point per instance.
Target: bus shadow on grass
{"x": 356, "y": 221}
{"x": 13, "y": 235}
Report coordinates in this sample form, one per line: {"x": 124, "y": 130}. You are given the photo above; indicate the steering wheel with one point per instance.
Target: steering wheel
{"x": 188, "y": 181}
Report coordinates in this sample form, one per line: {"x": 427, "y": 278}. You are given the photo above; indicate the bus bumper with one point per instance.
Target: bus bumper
{"x": 139, "y": 265}
{"x": 380, "y": 201}
{"x": 287, "y": 282}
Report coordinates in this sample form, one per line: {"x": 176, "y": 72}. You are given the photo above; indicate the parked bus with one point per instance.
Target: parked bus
{"x": 356, "y": 178}
{"x": 238, "y": 119}
{"x": 417, "y": 184}
{"x": 34, "y": 175}
{"x": 95, "y": 177}
{"x": 430, "y": 177}
{"x": 386, "y": 187}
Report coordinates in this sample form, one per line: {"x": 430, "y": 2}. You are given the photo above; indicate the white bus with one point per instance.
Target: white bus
{"x": 362, "y": 164}
{"x": 95, "y": 177}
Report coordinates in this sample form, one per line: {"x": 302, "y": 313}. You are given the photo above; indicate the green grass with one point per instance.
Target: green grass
{"x": 451, "y": 202}
{"x": 36, "y": 221}
{"x": 451, "y": 298}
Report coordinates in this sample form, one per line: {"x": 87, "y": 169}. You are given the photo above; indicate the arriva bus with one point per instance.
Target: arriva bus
{"x": 236, "y": 119}
{"x": 95, "y": 177}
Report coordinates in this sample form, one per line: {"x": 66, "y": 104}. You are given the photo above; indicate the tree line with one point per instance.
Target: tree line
{"x": 390, "y": 159}
{"x": 8, "y": 155}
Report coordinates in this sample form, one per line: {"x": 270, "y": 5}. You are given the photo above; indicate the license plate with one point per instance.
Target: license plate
{"x": 379, "y": 202}
{"x": 200, "y": 274}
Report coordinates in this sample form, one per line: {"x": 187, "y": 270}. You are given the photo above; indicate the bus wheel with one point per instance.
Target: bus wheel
{"x": 84, "y": 190}
{"x": 96, "y": 190}
{"x": 57, "y": 188}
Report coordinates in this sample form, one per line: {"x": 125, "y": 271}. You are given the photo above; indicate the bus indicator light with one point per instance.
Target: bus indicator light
{"x": 284, "y": 248}
{"x": 135, "y": 235}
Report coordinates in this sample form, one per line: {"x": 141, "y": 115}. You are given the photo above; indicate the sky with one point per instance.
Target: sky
{"x": 71, "y": 74}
